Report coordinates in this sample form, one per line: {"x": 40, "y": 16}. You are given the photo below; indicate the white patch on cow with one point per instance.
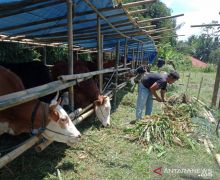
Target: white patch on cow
{"x": 103, "y": 112}
{"x": 67, "y": 134}
{"x": 4, "y": 128}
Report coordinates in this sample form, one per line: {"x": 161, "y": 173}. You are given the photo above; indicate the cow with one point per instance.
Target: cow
{"x": 32, "y": 74}
{"x": 55, "y": 123}
{"x": 86, "y": 92}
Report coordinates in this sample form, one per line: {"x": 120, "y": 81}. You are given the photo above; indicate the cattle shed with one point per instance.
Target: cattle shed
{"x": 80, "y": 25}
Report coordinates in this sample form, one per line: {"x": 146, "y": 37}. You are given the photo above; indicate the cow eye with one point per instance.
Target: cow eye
{"x": 64, "y": 120}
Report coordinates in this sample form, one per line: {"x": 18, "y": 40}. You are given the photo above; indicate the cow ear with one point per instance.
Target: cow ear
{"x": 57, "y": 95}
{"x": 55, "y": 103}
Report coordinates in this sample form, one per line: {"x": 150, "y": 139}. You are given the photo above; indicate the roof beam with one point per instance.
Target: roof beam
{"x": 127, "y": 5}
{"x": 145, "y": 27}
{"x": 160, "y": 18}
{"x": 138, "y": 11}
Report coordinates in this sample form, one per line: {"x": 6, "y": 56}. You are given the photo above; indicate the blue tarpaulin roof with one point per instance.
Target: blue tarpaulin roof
{"x": 46, "y": 21}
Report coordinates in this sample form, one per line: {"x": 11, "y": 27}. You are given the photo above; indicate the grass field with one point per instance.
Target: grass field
{"x": 105, "y": 153}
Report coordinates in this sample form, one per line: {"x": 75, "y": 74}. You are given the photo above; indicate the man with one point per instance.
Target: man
{"x": 160, "y": 63}
{"x": 148, "y": 88}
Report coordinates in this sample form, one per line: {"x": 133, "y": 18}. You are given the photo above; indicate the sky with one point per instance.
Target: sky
{"x": 195, "y": 12}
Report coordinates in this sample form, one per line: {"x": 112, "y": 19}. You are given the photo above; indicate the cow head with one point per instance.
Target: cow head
{"x": 60, "y": 127}
{"x": 102, "y": 109}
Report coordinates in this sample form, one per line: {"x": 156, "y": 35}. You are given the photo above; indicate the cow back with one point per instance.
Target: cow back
{"x": 9, "y": 82}
{"x": 32, "y": 74}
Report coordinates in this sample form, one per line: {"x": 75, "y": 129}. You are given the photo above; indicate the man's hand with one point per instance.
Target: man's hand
{"x": 159, "y": 99}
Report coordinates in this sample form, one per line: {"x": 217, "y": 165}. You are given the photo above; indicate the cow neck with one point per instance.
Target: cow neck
{"x": 39, "y": 115}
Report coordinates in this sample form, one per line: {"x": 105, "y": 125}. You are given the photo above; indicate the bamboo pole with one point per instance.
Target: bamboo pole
{"x": 13, "y": 99}
{"x": 138, "y": 11}
{"x": 99, "y": 48}
{"x": 126, "y": 52}
{"x": 150, "y": 26}
{"x": 160, "y": 18}
{"x": 40, "y": 147}
{"x": 133, "y": 60}
{"x": 103, "y": 17}
{"x": 116, "y": 73}
{"x": 205, "y": 25}
{"x": 142, "y": 54}
{"x": 137, "y": 56}
{"x": 200, "y": 86}
{"x": 217, "y": 157}
{"x": 82, "y": 75}
{"x": 127, "y": 5}
{"x": 15, "y": 153}
{"x": 216, "y": 86}
{"x": 70, "y": 49}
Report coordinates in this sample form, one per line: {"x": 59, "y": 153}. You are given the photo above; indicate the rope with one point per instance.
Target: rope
{"x": 107, "y": 84}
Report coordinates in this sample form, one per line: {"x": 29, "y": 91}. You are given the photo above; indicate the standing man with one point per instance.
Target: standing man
{"x": 148, "y": 88}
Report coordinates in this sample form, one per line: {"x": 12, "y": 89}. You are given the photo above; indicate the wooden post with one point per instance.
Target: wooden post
{"x": 132, "y": 60}
{"x": 216, "y": 86}
{"x": 142, "y": 53}
{"x": 45, "y": 55}
{"x": 99, "y": 49}
{"x": 200, "y": 86}
{"x": 77, "y": 56}
{"x": 187, "y": 85}
{"x": 116, "y": 74}
{"x": 137, "y": 56}
{"x": 70, "y": 49}
{"x": 126, "y": 52}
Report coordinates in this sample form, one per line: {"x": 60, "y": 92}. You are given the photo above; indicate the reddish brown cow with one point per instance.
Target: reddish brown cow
{"x": 86, "y": 92}
{"x": 30, "y": 116}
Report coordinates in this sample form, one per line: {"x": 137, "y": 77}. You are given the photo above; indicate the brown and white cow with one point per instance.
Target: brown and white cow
{"x": 31, "y": 115}
{"x": 86, "y": 92}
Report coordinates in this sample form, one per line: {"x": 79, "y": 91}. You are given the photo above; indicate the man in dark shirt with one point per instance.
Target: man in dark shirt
{"x": 147, "y": 89}
{"x": 160, "y": 63}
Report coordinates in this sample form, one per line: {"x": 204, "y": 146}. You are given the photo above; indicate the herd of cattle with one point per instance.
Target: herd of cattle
{"x": 46, "y": 113}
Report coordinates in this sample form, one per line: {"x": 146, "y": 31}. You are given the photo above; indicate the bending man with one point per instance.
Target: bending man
{"x": 148, "y": 88}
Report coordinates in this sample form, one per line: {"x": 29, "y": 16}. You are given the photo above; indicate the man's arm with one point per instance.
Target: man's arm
{"x": 153, "y": 90}
{"x": 162, "y": 93}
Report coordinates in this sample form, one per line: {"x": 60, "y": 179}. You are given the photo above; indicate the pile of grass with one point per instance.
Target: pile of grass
{"x": 172, "y": 127}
